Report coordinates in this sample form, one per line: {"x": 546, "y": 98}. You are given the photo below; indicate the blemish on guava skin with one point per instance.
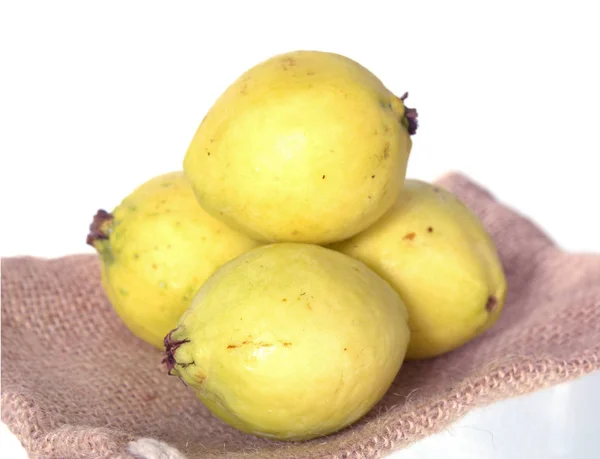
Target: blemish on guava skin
{"x": 154, "y": 266}
{"x": 136, "y": 256}
{"x": 257, "y": 344}
{"x": 409, "y": 236}
{"x": 323, "y": 177}
{"x": 288, "y": 62}
{"x": 345, "y": 348}
{"x": 310, "y": 73}
{"x": 284, "y": 299}
{"x": 123, "y": 291}
{"x": 372, "y": 176}
{"x": 491, "y": 304}
{"x": 386, "y": 150}
{"x": 287, "y": 344}
{"x": 430, "y": 229}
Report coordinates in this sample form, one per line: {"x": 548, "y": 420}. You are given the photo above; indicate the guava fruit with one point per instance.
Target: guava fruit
{"x": 290, "y": 341}
{"x": 439, "y": 257}
{"x": 156, "y": 249}
{"x": 306, "y": 146}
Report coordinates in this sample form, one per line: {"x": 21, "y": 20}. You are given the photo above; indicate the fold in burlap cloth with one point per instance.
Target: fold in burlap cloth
{"x": 76, "y": 383}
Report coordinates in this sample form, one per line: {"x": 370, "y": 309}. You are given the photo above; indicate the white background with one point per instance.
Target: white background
{"x": 97, "y": 97}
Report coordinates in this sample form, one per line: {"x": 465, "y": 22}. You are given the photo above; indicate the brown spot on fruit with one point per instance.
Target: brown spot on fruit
{"x": 308, "y": 306}
{"x": 232, "y": 346}
{"x": 287, "y": 344}
{"x": 323, "y": 177}
{"x": 372, "y": 176}
{"x": 386, "y": 150}
{"x": 154, "y": 266}
{"x": 288, "y": 62}
{"x": 345, "y": 348}
{"x": 200, "y": 377}
{"x": 409, "y": 236}
{"x": 491, "y": 304}
{"x": 310, "y": 73}
{"x": 295, "y": 233}
{"x": 430, "y": 229}
{"x": 284, "y": 299}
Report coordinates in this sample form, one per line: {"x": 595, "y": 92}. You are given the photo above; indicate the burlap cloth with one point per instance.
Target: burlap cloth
{"x": 76, "y": 383}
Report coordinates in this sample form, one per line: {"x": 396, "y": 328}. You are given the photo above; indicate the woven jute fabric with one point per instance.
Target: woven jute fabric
{"x": 77, "y": 384}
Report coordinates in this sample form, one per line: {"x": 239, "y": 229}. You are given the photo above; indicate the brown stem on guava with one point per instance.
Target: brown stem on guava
{"x": 171, "y": 346}
{"x": 413, "y": 124}
{"x": 97, "y": 231}
{"x": 411, "y": 116}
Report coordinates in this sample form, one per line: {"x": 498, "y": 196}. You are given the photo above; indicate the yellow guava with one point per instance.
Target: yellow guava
{"x": 156, "y": 249}
{"x": 439, "y": 257}
{"x": 306, "y": 146}
{"x": 290, "y": 341}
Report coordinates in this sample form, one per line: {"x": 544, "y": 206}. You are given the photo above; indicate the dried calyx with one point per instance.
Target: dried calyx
{"x": 410, "y": 117}
{"x": 171, "y": 346}
{"x": 98, "y": 227}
